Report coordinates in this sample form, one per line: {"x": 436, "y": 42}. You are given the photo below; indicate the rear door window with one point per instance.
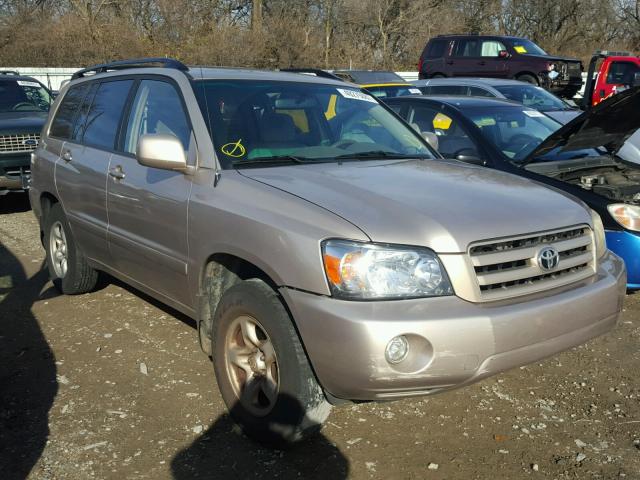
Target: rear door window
{"x": 63, "y": 122}
{"x": 83, "y": 111}
{"x": 104, "y": 115}
{"x": 480, "y": 92}
{"x": 467, "y": 48}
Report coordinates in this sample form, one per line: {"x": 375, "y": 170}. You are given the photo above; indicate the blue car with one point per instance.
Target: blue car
{"x": 586, "y": 157}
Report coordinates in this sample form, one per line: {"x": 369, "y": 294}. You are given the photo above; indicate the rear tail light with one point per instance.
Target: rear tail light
{"x": 420, "y": 65}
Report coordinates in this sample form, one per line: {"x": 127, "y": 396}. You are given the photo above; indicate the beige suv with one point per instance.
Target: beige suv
{"x": 325, "y": 250}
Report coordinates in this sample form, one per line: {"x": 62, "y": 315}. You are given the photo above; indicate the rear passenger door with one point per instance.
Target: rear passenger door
{"x": 148, "y": 206}
{"x": 88, "y": 120}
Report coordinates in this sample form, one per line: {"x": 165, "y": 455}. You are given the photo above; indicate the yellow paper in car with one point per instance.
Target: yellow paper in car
{"x": 441, "y": 121}
{"x": 520, "y": 49}
{"x": 485, "y": 122}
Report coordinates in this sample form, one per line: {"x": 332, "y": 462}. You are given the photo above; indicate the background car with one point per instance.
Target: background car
{"x": 580, "y": 158}
{"x": 381, "y": 84}
{"x": 24, "y": 106}
{"x": 521, "y": 92}
{"x": 501, "y": 57}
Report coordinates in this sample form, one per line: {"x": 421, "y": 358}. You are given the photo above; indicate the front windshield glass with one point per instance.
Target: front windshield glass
{"x": 532, "y": 96}
{"x": 23, "y": 96}
{"x": 262, "y": 121}
{"x": 389, "y": 91}
{"x": 526, "y": 47}
{"x": 513, "y": 130}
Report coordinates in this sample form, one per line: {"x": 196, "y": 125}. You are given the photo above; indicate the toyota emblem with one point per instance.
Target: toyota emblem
{"x": 548, "y": 258}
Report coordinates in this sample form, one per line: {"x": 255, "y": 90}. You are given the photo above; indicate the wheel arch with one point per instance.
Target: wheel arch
{"x": 527, "y": 72}
{"x": 219, "y": 272}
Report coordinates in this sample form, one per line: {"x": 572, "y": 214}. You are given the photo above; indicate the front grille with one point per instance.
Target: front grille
{"x": 509, "y": 267}
{"x": 574, "y": 70}
{"x": 26, "y": 142}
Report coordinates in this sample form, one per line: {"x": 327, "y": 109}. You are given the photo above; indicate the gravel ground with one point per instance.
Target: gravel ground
{"x": 113, "y": 385}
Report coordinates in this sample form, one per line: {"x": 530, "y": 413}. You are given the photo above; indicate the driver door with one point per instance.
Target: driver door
{"x": 147, "y": 206}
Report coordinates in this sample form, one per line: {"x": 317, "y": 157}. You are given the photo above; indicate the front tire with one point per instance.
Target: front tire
{"x": 68, "y": 268}
{"x": 261, "y": 368}
{"x": 527, "y": 78}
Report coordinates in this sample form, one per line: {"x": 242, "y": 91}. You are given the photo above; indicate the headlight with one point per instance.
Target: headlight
{"x": 626, "y": 215}
{"x": 371, "y": 271}
{"x": 598, "y": 233}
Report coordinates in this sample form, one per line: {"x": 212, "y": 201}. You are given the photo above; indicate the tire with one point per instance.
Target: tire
{"x": 71, "y": 275}
{"x": 438, "y": 75}
{"x": 297, "y": 407}
{"x": 527, "y": 78}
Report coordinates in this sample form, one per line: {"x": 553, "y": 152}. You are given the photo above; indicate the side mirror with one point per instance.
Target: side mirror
{"x": 504, "y": 54}
{"x": 468, "y": 155}
{"x": 161, "y": 151}
{"x": 431, "y": 138}
{"x": 636, "y": 80}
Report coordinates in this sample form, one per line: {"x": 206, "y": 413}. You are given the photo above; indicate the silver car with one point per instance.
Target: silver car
{"x": 525, "y": 93}
{"x": 326, "y": 252}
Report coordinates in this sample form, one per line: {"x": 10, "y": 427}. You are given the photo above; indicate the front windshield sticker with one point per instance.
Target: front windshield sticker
{"x": 533, "y": 113}
{"x": 356, "y": 95}
{"x": 520, "y": 49}
{"x": 441, "y": 121}
{"x": 234, "y": 149}
{"x": 415, "y": 91}
{"x": 485, "y": 122}
{"x": 25, "y": 83}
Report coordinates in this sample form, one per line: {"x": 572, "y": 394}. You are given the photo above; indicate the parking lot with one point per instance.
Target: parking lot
{"x": 112, "y": 384}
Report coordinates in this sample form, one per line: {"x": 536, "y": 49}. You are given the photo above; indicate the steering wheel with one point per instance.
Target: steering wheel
{"x": 18, "y": 106}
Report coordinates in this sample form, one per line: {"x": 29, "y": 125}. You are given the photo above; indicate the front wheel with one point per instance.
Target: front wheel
{"x": 261, "y": 368}
{"x": 68, "y": 268}
{"x": 528, "y": 79}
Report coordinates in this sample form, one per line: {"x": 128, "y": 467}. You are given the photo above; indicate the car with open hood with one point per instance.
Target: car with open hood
{"x": 325, "y": 251}
{"x": 591, "y": 157}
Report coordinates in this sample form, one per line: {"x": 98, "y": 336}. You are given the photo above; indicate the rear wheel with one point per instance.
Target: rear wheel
{"x": 261, "y": 368}
{"x": 438, "y": 75}
{"x": 527, "y": 78}
{"x": 68, "y": 268}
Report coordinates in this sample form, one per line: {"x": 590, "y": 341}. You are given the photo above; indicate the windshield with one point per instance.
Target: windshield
{"x": 526, "y": 47}
{"x": 258, "y": 121}
{"x": 23, "y": 96}
{"x": 389, "y": 91}
{"x": 532, "y": 96}
{"x": 513, "y": 130}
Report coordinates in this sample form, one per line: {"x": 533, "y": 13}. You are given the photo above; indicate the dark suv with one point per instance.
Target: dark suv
{"x": 499, "y": 57}
{"x": 24, "y": 106}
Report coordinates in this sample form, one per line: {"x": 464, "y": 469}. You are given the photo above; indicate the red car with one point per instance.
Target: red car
{"x": 616, "y": 72}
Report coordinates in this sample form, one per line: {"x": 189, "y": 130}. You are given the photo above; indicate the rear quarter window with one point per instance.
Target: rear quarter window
{"x": 436, "y": 49}
{"x": 62, "y": 125}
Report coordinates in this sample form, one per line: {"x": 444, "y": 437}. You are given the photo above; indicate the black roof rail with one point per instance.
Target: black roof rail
{"x": 610, "y": 53}
{"x": 133, "y": 63}
{"x": 9, "y": 72}
{"x": 318, "y": 72}
{"x": 471, "y": 34}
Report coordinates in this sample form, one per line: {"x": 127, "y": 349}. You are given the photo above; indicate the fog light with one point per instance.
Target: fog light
{"x": 397, "y": 349}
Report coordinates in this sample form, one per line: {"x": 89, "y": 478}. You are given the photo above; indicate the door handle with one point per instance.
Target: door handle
{"x": 482, "y": 62}
{"x": 66, "y": 156}
{"x": 450, "y": 62}
{"x": 117, "y": 172}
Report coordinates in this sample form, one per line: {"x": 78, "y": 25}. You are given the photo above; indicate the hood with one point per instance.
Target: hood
{"x": 609, "y": 124}
{"x": 551, "y": 58}
{"x": 443, "y": 205}
{"x": 630, "y": 151}
{"x": 22, "y": 122}
{"x": 563, "y": 116}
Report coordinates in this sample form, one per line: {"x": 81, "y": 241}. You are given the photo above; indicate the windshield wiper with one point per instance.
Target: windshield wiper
{"x": 274, "y": 160}
{"x": 377, "y": 154}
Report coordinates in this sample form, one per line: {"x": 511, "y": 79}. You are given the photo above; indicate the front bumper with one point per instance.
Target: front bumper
{"x": 627, "y": 246}
{"x": 15, "y": 172}
{"x": 452, "y": 342}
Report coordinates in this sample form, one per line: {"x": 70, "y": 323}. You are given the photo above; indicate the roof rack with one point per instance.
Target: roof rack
{"x": 9, "y": 72}
{"x": 470, "y": 34}
{"x": 134, "y": 63}
{"x": 313, "y": 71}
